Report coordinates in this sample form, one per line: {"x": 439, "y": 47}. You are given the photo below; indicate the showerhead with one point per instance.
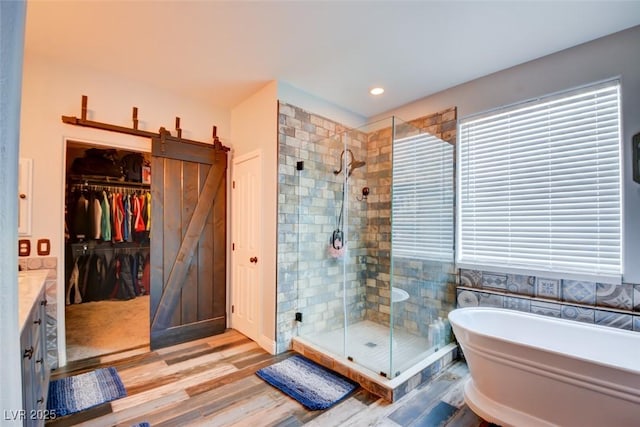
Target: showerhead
{"x": 353, "y": 164}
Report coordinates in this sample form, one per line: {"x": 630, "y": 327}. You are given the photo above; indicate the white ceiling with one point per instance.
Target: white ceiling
{"x": 223, "y": 51}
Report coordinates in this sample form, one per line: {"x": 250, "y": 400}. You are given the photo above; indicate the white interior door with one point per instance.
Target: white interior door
{"x": 246, "y": 232}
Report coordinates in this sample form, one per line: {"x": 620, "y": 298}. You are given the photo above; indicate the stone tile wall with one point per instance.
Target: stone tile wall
{"x": 309, "y": 203}
{"x": 51, "y": 291}
{"x": 605, "y": 304}
{"x": 430, "y": 284}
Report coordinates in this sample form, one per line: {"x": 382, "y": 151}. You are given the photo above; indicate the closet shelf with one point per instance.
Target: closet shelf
{"x": 104, "y": 180}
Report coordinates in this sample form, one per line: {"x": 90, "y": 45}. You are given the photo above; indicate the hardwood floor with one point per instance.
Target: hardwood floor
{"x": 212, "y": 382}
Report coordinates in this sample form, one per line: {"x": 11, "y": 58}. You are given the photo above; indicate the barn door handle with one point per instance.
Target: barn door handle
{"x": 253, "y": 259}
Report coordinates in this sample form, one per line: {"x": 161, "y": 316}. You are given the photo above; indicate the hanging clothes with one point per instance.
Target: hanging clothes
{"x": 105, "y": 224}
{"x": 118, "y": 218}
{"x": 148, "y": 216}
{"x": 126, "y": 226}
{"x": 96, "y": 219}
{"x": 81, "y": 217}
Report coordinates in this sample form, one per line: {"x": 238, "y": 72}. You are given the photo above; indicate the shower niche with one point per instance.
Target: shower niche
{"x": 372, "y": 274}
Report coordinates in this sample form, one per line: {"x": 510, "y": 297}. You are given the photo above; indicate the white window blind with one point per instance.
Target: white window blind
{"x": 422, "y": 198}
{"x": 540, "y": 185}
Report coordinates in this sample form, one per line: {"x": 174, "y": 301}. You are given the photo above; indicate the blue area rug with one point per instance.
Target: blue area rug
{"x": 315, "y": 386}
{"x": 79, "y": 392}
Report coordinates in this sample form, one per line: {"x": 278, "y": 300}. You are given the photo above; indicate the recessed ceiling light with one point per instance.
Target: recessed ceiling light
{"x": 376, "y": 91}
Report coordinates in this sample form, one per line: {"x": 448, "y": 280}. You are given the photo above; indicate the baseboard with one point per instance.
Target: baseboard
{"x": 267, "y": 344}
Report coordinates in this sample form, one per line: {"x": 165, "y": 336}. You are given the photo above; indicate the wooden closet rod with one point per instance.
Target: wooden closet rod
{"x": 82, "y": 121}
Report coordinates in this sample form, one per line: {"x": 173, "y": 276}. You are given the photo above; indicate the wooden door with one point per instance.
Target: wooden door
{"x": 246, "y": 230}
{"x": 188, "y": 241}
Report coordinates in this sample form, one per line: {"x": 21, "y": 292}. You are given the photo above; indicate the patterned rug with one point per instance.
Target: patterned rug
{"x": 315, "y": 386}
{"x": 79, "y": 392}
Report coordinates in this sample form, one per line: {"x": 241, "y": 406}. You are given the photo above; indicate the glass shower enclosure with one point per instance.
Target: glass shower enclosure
{"x": 374, "y": 229}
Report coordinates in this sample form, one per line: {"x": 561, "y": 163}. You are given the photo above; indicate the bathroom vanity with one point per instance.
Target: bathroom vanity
{"x": 35, "y": 368}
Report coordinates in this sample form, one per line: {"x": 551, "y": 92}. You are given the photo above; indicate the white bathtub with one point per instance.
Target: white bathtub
{"x": 532, "y": 370}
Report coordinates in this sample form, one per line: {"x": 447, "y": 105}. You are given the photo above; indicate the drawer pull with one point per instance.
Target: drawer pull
{"x": 28, "y": 352}
{"x": 37, "y": 322}
{"x": 40, "y": 401}
{"x": 40, "y": 360}
{"x": 43, "y": 302}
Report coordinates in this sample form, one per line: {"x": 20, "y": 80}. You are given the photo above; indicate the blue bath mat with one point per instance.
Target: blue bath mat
{"x": 315, "y": 386}
{"x": 79, "y": 392}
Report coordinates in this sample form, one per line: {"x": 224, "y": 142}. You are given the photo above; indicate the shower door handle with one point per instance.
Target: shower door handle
{"x": 253, "y": 259}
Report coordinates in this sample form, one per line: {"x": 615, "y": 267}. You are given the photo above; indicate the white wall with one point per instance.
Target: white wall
{"x": 52, "y": 89}
{"x": 611, "y": 56}
{"x": 254, "y": 125}
{"x": 313, "y": 104}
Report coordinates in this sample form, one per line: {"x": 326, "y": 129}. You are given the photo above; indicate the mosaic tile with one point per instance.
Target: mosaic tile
{"x": 615, "y": 320}
{"x": 470, "y": 278}
{"x": 519, "y": 284}
{"x": 467, "y": 298}
{"x": 579, "y": 314}
{"x": 614, "y": 296}
{"x": 546, "y": 308}
{"x": 519, "y": 304}
{"x": 494, "y": 281}
{"x": 548, "y": 288}
{"x": 578, "y": 291}
{"x": 636, "y": 297}
{"x": 490, "y": 300}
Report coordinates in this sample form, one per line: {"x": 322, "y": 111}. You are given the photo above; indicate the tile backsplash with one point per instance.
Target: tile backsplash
{"x": 605, "y": 304}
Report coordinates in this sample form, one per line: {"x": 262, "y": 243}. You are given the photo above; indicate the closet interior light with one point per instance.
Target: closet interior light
{"x": 376, "y": 91}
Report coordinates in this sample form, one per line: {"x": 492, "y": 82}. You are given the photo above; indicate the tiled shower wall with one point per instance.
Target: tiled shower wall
{"x": 309, "y": 279}
{"x": 430, "y": 284}
{"x": 309, "y": 203}
{"x": 600, "y": 303}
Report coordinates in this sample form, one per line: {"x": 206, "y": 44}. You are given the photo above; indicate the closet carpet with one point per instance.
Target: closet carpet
{"x": 102, "y": 327}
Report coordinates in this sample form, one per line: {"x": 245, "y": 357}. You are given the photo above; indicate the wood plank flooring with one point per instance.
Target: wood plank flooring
{"x": 212, "y": 382}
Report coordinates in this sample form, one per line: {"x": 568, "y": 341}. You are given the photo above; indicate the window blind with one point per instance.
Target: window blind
{"x": 422, "y": 198}
{"x": 540, "y": 185}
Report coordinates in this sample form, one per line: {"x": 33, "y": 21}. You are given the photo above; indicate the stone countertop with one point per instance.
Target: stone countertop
{"x": 30, "y": 283}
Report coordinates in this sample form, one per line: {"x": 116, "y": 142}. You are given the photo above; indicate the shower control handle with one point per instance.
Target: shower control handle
{"x": 253, "y": 259}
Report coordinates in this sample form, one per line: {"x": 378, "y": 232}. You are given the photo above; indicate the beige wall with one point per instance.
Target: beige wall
{"x": 254, "y": 126}
{"x": 52, "y": 89}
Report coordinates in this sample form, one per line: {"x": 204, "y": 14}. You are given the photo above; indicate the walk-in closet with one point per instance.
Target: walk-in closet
{"x": 107, "y": 249}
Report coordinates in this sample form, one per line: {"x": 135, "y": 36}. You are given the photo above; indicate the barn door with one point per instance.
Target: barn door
{"x": 188, "y": 241}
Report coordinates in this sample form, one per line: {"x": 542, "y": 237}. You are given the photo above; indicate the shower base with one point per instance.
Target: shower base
{"x": 368, "y": 342}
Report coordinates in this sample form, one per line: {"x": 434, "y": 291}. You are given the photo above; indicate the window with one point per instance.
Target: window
{"x": 422, "y": 198}
{"x": 539, "y": 186}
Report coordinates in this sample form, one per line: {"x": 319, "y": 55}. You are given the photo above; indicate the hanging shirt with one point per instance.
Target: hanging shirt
{"x": 140, "y": 204}
{"x": 118, "y": 218}
{"x": 97, "y": 219}
{"x": 106, "y": 218}
{"x": 148, "y": 199}
{"x": 81, "y": 218}
{"x": 126, "y": 228}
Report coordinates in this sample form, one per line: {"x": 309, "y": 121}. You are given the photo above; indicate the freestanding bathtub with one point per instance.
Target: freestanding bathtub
{"x": 533, "y": 370}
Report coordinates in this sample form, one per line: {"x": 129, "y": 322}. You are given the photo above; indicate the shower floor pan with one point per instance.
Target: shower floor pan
{"x": 369, "y": 342}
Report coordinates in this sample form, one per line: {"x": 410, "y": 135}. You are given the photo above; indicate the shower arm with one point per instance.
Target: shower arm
{"x": 353, "y": 164}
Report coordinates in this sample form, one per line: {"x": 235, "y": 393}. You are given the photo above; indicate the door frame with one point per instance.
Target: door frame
{"x": 259, "y": 315}
{"x": 122, "y": 142}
